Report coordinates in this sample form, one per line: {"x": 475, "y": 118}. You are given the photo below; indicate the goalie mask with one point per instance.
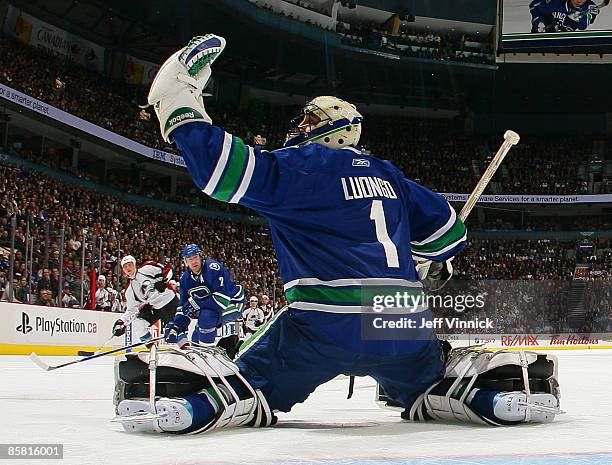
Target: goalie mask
{"x": 328, "y": 121}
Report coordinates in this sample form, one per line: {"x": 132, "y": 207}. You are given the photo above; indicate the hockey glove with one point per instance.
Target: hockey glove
{"x": 438, "y": 275}
{"x": 171, "y": 334}
{"x": 161, "y": 280}
{"x": 160, "y": 286}
{"x": 119, "y": 328}
{"x": 178, "y": 325}
{"x": 176, "y": 92}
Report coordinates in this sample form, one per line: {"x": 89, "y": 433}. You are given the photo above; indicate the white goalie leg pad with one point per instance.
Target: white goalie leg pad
{"x": 208, "y": 369}
{"x": 511, "y": 372}
{"x": 233, "y": 411}
{"x": 176, "y": 91}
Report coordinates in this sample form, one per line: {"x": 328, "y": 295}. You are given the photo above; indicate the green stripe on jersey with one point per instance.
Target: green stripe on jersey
{"x": 232, "y": 175}
{"x": 452, "y": 235}
{"x": 324, "y": 294}
{"x": 255, "y": 337}
{"x": 221, "y": 300}
{"x": 354, "y": 296}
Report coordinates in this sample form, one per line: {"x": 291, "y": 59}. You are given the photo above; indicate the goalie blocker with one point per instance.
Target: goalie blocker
{"x": 489, "y": 388}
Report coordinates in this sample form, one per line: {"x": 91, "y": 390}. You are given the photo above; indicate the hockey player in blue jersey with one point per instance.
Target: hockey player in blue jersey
{"x": 208, "y": 294}
{"x": 345, "y": 226}
{"x": 562, "y": 15}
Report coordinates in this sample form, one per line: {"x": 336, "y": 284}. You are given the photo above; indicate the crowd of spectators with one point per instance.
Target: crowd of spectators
{"x": 406, "y": 42}
{"x": 519, "y": 221}
{"x": 526, "y": 286}
{"x": 553, "y": 166}
{"x": 85, "y": 93}
{"x": 122, "y": 228}
{"x": 424, "y": 150}
{"x": 426, "y": 45}
{"x": 527, "y": 280}
{"x": 517, "y": 260}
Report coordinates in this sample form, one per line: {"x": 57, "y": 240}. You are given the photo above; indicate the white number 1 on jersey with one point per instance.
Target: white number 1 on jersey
{"x": 377, "y": 214}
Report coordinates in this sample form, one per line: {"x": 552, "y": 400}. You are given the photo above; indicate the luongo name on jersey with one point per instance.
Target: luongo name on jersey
{"x": 340, "y": 220}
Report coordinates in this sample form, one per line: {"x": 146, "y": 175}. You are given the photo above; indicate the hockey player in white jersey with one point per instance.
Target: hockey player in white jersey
{"x": 147, "y": 297}
{"x": 103, "y": 295}
{"x": 267, "y": 308}
{"x": 253, "y": 317}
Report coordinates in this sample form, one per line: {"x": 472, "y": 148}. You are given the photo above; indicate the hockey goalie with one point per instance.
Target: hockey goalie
{"x": 345, "y": 225}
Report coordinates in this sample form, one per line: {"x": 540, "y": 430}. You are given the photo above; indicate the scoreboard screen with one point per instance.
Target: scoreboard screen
{"x": 542, "y": 24}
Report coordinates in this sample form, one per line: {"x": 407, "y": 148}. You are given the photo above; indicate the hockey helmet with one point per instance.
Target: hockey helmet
{"x": 328, "y": 121}
{"x": 127, "y": 259}
{"x": 191, "y": 249}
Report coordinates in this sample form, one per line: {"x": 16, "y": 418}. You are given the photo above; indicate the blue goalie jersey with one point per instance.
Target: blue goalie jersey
{"x": 340, "y": 220}
{"x": 212, "y": 298}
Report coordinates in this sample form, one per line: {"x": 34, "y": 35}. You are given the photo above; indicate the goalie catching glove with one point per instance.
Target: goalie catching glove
{"x": 433, "y": 275}
{"x": 176, "y": 92}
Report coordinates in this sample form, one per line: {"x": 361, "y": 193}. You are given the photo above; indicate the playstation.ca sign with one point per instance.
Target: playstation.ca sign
{"x": 24, "y": 327}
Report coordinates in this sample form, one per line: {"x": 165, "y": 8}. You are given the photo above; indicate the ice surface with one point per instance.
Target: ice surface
{"x": 73, "y": 405}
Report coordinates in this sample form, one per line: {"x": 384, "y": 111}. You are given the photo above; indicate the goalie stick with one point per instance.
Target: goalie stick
{"x": 510, "y": 138}
{"x": 42, "y": 364}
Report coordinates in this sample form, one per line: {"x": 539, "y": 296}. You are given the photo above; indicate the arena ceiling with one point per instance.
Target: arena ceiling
{"x": 147, "y": 26}
{"x": 151, "y": 29}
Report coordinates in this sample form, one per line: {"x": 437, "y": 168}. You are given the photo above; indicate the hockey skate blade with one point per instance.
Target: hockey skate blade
{"x": 135, "y": 416}
{"x": 512, "y": 406}
{"x": 173, "y": 415}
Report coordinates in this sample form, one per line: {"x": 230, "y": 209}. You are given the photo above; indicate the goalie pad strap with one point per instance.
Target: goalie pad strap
{"x": 195, "y": 370}
{"x": 469, "y": 368}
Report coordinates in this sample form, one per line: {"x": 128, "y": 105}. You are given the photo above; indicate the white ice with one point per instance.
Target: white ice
{"x": 73, "y": 405}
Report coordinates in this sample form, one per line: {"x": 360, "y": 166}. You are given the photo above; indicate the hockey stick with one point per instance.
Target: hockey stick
{"x": 86, "y": 353}
{"x": 510, "y": 138}
{"x": 38, "y": 361}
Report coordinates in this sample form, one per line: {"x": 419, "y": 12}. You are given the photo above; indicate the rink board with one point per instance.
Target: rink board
{"x": 547, "y": 342}
{"x": 65, "y": 331}
{"x": 18, "y": 349}
{"x": 53, "y": 331}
